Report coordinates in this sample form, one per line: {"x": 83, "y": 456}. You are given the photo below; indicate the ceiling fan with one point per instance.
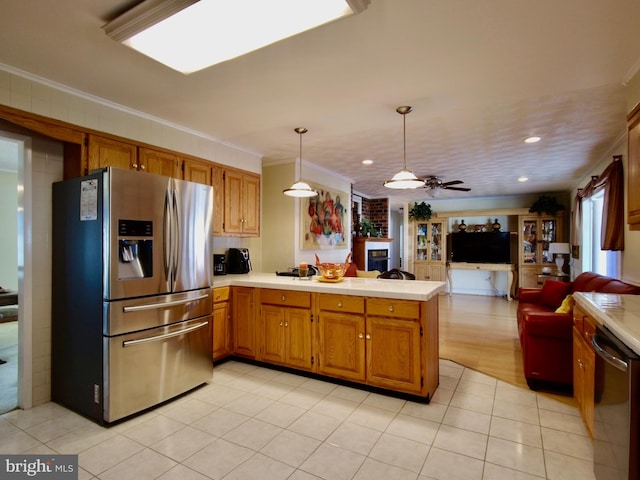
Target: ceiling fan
{"x": 435, "y": 183}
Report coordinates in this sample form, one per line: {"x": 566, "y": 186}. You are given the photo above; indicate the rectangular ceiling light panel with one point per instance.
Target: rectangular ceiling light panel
{"x": 213, "y": 31}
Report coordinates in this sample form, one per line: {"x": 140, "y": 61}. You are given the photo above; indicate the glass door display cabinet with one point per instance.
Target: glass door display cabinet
{"x": 430, "y": 250}
{"x": 536, "y": 233}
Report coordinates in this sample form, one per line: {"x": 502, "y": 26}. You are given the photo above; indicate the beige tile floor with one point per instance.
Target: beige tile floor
{"x": 251, "y": 422}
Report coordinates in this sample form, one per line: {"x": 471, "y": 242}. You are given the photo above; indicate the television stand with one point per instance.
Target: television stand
{"x": 510, "y": 268}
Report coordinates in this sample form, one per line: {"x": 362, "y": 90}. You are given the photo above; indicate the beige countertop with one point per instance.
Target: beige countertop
{"x": 619, "y": 313}
{"x": 367, "y": 287}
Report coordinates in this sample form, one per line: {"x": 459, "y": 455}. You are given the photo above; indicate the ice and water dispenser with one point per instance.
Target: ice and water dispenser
{"x": 135, "y": 249}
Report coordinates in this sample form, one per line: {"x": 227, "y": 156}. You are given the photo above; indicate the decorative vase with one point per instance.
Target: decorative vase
{"x": 496, "y": 226}
{"x": 462, "y": 227}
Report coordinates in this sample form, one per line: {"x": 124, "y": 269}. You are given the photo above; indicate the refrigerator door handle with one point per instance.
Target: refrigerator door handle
{"x": 153, "y": 306}
{"x": 175, "y": 240}
{"x": 606, "y": 356}
{"x": 167, "y": 241}
{"x": 156, "y": 338}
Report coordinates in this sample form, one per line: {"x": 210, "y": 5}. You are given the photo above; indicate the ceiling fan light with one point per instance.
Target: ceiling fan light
{"x": 300, "y": 189}
{"x": 404, "y": 179}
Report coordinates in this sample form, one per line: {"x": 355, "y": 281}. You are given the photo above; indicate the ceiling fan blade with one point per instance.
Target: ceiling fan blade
{"x": 462, "y": 189}
{"x": 452, "y": 182}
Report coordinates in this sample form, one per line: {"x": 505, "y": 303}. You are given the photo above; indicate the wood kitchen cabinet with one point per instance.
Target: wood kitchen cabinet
{"x": 633, "y": 173}
{"x": 584, "y": 361}
{"x": 285, "y": 335}
{"x": 209, "y": 173}
{"x": 380, "y": 342}
{"x": 393, "y": 344}
{"x": 107, "y": 152}
{"x": 222, "y": 345}
{"x": 159, "y": 162}
{"x": 241, "y": 203}
{"x": 244, "y": 321}
{"x": 341, "y": 334}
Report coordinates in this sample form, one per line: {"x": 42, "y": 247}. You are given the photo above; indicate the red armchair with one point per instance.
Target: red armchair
{"x": 546, "y": 336}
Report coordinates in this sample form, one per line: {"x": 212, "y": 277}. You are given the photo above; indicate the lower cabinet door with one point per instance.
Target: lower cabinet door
{"x": 393, "y": 354}
{"x": 342, "y": 345}
{"x": 221, "y": 331}
{"x": 272, "y": 334}
{"x": 298, "y": 339}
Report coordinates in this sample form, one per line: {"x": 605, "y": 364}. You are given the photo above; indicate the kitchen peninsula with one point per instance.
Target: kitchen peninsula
{"x": 382, "y": 334}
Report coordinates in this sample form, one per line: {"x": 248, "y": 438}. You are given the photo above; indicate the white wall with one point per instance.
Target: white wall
{"x": 9, "y": 230}
{"x": 277, "y": 205}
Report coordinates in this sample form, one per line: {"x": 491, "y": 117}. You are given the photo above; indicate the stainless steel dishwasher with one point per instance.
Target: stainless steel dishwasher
{"x": 616, "y": 430}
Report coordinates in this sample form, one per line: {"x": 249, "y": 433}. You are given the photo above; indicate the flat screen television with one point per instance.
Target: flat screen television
{"x": 480, "y": 247}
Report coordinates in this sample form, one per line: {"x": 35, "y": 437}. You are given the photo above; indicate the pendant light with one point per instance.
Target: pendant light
{"x": 404, "y": 179}
{"x": 300, "y": 188}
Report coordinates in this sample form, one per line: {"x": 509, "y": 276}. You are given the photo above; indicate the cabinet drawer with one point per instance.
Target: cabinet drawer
{"x": 221, "y": 294}
{"x": 341, "y": 303}
{"x": 285, "y": 297}
{"x": 578, "y": 318}
{"x": 388, "y": 307}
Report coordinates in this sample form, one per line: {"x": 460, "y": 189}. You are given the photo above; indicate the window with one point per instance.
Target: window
{"x": 604, "y": 262}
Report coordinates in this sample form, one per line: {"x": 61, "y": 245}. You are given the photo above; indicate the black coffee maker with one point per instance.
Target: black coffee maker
{"x": 238, "y": 260}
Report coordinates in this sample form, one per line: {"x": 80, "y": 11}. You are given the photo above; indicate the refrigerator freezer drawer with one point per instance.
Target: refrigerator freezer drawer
{"x": 149, "y": 367}
{"x": 125, "y": 316}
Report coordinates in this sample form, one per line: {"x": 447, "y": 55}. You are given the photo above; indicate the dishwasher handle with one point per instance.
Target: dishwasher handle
{"x": 607, "y": 357}
{"x": 156, "y": 338}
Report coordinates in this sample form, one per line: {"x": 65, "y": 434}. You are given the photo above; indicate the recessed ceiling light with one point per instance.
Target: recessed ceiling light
{"x": 367, "y": 162}
{"x": 532, "y": 139}
{"x": 523, "y": 179}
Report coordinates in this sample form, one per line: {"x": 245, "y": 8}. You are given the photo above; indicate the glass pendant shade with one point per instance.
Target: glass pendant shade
{"x": 404, "y": 179}
{"x": 300, "y": 188}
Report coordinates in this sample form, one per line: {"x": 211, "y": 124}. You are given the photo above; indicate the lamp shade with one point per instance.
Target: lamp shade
{"x": 560, "y": 248}
{"x": 300, "y": 188}
{"x": 404, "y": 179}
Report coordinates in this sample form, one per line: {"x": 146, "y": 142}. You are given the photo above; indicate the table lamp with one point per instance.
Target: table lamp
{"x": 559, "y": 249}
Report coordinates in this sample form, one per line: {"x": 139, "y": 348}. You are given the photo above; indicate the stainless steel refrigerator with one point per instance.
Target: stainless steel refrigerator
{"x": 131, "y": 296}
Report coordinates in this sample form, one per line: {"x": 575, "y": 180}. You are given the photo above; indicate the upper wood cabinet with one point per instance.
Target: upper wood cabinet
{"x": 633, "y": 175}
{"x": 208, "y": 173}
{"x": 160, "y": 162}
{"x": 107, "y": 152}
{"x": 241, "y": 203}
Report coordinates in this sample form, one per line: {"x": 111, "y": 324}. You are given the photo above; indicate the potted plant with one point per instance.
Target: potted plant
{"x": 546, "y": 204}
{"x": 368, "y": 230}
{"x": 420, "y": 211}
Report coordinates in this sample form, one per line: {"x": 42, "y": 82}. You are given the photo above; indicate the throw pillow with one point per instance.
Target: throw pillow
{"x": 567, "y": 305}
{"x": 553, "y": 292}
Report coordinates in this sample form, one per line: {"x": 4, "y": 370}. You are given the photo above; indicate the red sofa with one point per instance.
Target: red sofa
{"x": 546, "y": 336}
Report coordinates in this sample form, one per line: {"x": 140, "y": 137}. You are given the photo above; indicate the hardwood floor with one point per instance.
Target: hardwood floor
{"x": 481, "y": 333}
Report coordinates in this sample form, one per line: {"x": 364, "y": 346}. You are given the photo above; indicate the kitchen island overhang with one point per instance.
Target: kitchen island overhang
{"x": 377, "y": 334}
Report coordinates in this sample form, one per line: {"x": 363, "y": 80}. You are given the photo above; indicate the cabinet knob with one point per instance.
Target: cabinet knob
{"x": 361, "y": 335}
{"x": 286, "y": 324}
{"x": 283, "y": 298}
{"x": 281, "y": 324}
{"x": 391, "y": 308}
{"x": 142, "y": 167}
{"x": 368, "y": 336}
{"x": 134, "y": 165}
{"x": 340, "y": 304}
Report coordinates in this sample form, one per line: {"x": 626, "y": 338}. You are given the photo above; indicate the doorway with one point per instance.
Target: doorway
{"x": 15, "y": 213}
